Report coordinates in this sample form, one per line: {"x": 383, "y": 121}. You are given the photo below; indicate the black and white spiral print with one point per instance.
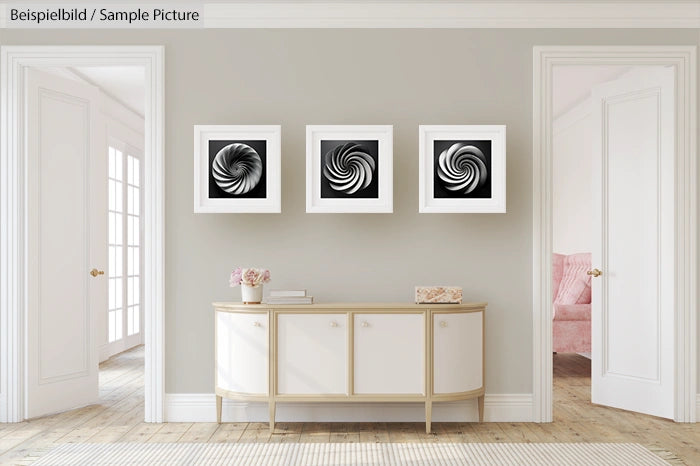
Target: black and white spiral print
{"x": 349, "y": 168}
{"x": 237, "y": 168}
{"x": 462, "y": 168}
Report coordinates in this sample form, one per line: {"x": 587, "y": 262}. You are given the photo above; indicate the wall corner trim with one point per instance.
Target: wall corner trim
{"x": 201, "y": 407}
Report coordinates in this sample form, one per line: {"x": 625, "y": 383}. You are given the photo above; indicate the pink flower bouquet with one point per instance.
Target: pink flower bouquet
{"x": 249, "y": 276}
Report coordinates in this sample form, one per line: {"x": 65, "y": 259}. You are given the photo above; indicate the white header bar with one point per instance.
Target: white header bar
{"x": 358, "y": 14}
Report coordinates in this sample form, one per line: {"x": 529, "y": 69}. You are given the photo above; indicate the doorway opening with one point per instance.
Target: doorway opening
{"x": 103, "y": 106}
{"x": 96, "y": 114}
{"x": 668, "y": 185}
{"x": 575, "y": 89}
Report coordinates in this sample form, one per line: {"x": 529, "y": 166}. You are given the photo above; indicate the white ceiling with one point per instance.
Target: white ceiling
{"x": 572, "y": 84}
{"x": 123, "y": 83}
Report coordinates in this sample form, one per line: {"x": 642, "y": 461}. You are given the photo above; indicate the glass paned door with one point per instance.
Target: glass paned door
{"x": 116, "y": 244}
{"x": 124, "y": 310}
{"x": 133, "y": 220}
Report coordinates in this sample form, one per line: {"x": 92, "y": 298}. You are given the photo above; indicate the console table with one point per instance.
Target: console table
{"x": 349, "y": 352}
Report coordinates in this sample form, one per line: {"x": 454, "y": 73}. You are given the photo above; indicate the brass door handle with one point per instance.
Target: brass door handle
{"x": 95, "y": 272}
{"x": 595, "y": 272}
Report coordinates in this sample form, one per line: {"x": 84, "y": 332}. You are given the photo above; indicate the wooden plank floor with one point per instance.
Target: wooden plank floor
{"x": 119, "y": 418}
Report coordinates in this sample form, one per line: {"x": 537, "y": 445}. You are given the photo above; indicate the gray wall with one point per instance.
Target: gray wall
{"x": 399, "y": 77}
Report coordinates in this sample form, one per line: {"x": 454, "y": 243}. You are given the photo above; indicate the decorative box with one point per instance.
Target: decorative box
{"x": 438, "y": 294}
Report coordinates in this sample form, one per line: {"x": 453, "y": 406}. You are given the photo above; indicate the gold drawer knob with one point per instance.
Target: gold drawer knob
{"x": 333, "y": 324}
{"x": 365, "y": 323}
{"x": 443, "y": 324}
{"x": 256, "y": 324}
{"x": 95, "y": 272}
{"x": 595, "y": 272}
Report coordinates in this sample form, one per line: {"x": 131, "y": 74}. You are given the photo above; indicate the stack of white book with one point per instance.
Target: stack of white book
{"x": 289, "y": 297}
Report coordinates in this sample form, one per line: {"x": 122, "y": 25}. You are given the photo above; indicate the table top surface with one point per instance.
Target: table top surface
{"x": 350, "y": 306}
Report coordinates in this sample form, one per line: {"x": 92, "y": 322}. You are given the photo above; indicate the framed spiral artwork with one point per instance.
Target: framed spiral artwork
{"x": 462, "y": 168}
{"x": 237, "y": 169}
{"x": 349, "y": 169}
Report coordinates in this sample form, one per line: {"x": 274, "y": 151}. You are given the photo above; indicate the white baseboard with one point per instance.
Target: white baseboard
{"x": 201, "y": 407}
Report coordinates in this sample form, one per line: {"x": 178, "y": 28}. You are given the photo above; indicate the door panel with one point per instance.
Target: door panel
{"x": 633, "y": 193}
{"x": 64, "y": 223}
{"x": 389, "y": 353}
{"x": 242, "y": 352}
{"x": 457, "y": 352}
{"x": 312, "y": 354}
{"x": 62, "y": 235}
{"x": 632, "y": 220}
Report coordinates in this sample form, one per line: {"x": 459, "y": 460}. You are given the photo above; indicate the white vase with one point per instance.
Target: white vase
{"x": 251, "y": 294}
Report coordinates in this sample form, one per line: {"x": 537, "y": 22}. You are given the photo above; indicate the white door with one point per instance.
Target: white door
{"x": 66, "y": 233}
{"x": 389, "y": 353}
{"x": 633, "y": 217}
{"x": 312, "y": 354}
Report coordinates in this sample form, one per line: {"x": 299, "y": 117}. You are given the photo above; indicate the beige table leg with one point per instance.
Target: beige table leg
{"x": 428, "y": 415}
{"x": 218, "y": 409}
{"x": 272, "y": 415}
{"x": 481, "y": 408}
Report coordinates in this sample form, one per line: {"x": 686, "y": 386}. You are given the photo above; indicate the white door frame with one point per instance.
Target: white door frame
{"x": 683, "y": 58}
{"x": 13, "y": 215}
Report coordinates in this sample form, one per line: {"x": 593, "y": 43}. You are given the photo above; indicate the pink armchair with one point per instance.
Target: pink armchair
{"x": 571, "y": 294}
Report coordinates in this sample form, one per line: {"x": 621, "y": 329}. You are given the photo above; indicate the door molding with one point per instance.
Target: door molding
{"x": 683, "y": 58}
{"x": 13, "y": 212}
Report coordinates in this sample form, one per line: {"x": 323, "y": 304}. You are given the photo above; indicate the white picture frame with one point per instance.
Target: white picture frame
{"x": 260, "y": 192}
{"x": 451, "y": 196}
{"x": 365, "y": 186}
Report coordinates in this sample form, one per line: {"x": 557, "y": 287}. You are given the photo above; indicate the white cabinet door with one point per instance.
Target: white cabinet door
{"x": 241, "y": 352}
{"x": 457, "y": 352}
{"x": 389, "y": 353}
{"x": 311, "y": 354}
